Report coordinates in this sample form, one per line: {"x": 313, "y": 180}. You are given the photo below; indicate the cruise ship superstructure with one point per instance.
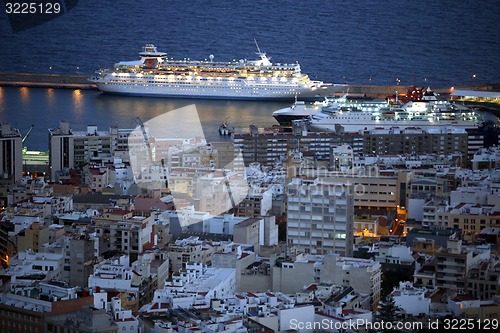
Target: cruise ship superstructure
{"x": 155, "y": 74}
{"x": 421, "y": 114}
{"x": 301, "y": 109}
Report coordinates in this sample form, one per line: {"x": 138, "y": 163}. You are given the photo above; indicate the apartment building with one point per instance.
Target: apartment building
{"x": 454, "y": 263}
{"x": 11, "y": 159}
{"x": 320, "y": 216}
{"x": 483, "y": 279}
{"x": 124, "y": 232}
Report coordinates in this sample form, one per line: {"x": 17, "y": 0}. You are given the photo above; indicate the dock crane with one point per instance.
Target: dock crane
{"x": 146, "y": 139}
{"x": 234, "y": 208}
{"x": 150, "y": 153}
{"x": 28, "y": 133}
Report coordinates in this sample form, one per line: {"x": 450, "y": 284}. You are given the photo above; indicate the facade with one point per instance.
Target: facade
{"x": 454, "y": 263}
{"x": 232, "y": 256}
{"x": 27, "y": 308}
{"x": 320, "y": 216}
{"x": 415, "y": 141}
{"x": 257, "y": 232}
{"x": 363, "y": 275}
{"x": 82, "y": 260}
{"x": 466, "y": 306}
{"x": 486, "y": 158}
{"x": 6, "y": 247}
{"x": 190, "y": 249}
{"x": 411, "y": 299}
{"x": 138, "y": 280}
{"x": 11, "y": 159}
{"x": 483, "y": 279}
{"x": 376, "y": 190}
{"x": 61, "y": 149}
{"x": 36, "y": 235}
{"x": 27, "y": 239}
{"x": 88, "y": 320}
{"x": 226, "y": 154}
{"x": 195, "y": 286}
{"x": 122, "y": 231}
{"x": 425, "y": 275}
{"x": 268, "y": 147}
{"x": 69, "y": 149}
{"x": 255, "y": 204}
{"x": 472, "y": 218}
{"x": 389, "y": 253}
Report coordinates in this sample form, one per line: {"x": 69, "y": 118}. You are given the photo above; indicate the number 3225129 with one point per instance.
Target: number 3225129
{"x": 32, "y": 8}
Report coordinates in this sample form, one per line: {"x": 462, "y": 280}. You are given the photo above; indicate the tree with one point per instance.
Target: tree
{"x": 388, "y": 311}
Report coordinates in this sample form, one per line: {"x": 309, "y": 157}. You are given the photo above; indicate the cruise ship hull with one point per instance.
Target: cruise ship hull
{"x": 217, "y": 92}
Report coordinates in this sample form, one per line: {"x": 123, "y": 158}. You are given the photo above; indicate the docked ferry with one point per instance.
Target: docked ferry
{"x": 155, "y": 74}
{"x": 422, "y": 114}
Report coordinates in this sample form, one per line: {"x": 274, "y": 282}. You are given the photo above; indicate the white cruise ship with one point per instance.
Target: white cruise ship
{"x": 421, "y": 114}
{"x": 155, "y": 74}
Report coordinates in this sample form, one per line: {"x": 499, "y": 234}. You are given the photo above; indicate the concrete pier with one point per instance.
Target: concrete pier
{"x": 81, "y": 82}
{"x": 45, "y": 81}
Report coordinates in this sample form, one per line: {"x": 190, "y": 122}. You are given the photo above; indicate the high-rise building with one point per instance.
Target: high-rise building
{"x": 320, "y": 216}
{"x": 81, "y": 260}
{"x": 69, "y": 148}
{"x": 11, "y": 156}
{"x": 61, "y": 149}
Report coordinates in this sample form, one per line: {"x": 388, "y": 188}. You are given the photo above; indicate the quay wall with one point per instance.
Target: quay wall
{"x": 49, "y": 80}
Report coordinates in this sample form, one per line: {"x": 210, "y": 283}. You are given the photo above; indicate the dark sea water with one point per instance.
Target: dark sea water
{"x": 445, "y": 41}
{"x": 437, "y": 43}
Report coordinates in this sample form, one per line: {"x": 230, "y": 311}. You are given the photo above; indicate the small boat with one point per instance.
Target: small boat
{"x": 224, "y": 129}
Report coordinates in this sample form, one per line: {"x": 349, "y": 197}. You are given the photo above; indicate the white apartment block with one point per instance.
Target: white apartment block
{"x": 27, "y": 267}
{"x": 115, "y": 275}
{"x": 411, "y": 299}
{"x": 195, "y": 287}
{"x": 363, "y": 275}
{"x": 320, "y": 216}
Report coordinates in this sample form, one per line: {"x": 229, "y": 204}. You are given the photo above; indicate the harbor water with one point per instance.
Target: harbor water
{"x": 437, "y": 44}
{"x": 46, "y": 107}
